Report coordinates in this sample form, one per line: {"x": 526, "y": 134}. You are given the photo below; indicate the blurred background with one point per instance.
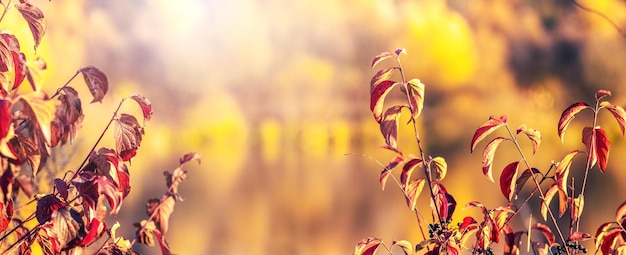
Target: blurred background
{"x": 274, "y": 94}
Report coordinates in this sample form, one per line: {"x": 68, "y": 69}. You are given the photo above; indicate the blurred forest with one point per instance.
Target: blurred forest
{"x": 274, "y": 93}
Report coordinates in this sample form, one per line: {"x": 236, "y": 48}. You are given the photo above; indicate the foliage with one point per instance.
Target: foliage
{"x": 478, "y": 235}
{"x": 73, "y": 216}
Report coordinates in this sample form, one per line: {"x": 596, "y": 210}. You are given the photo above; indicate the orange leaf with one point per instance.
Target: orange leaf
{"x": 532, "y": 134}
{"x": 367, "y": 246}
{"x": 384, "y": 174}
{"x": 487, "y": 128}
{"x": 413, "y": 191}
{"x": 380, "y": 76}
{"x": 415, "y": 90}
{"x": 562, "y": 171}
{"x": 568, "y": 115}
{"x": 407, "y": 169}
{"x": 389, "y": 125}
{"x": 488, "y": 154}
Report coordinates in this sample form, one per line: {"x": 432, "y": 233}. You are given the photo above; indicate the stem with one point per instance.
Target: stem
{"x": 543, "y": 178}
{"x": 541, "y": 194}
{"x": 427, "y": 171}
{"x": 21, "y": 240}
{"x": 29, "y": 218}
{"x": 65, "y": 85}
{"x": 588, "y": 166}
{"x": 97, "y": 141}
{"x": 6, "y": 7}
{"x": 602, "y": 15}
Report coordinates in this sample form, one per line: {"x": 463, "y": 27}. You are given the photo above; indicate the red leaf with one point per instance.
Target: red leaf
{"x": 145, "y": 104}
{"x": 189, "y": 157}
{"x": 511, "y": 240}
{"x": 553, "y": 190}
{"x": 5, "y": 118}
{"x": 97, "y": 82}
{"x": 45, "y": 206}
{"x": 91, "y": 186}
{"x": 521, "y": 180}
{"x": 95, "y": 230}
{"x": 487, "y": 128}
{"x": 367, "y": 246}
{"x": 389, "y": 125}
{"x": 618, "y": 112}
{"x": 35, "y": 19}
{"x": 407, "y": 169}
{"x": 444, "y": 202}
{"x": 380, "y": 57}
{"x": 507, "y": 185}
{"x": 545, "y": 230}
{"x": 598, "y": 146}
{"x": 602, "y": 93}
{"x": 67, "y": 226}
{"x": 6, "y": 213}
{"x": 608, "y": 241}
{"x": 415, "y": 90}
{"x": 568, "y": 115}
{"x": 384, "y": 174}
{"x": 488, "y": 154}
{"x": 68, "y": 117}
{"x": 377, "y": 98}
{"x": 562, "y": 171}
{"x": 128, "y": 135}
{"x": 61, "y": 188}
{"x": 413, "y": 191}
{"x": 380, "y": 76}
{"x": 467, "y": 222}
{"x": 19, "y": 64}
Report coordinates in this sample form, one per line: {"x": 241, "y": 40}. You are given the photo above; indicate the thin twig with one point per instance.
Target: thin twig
{"x": 602, "y": 15}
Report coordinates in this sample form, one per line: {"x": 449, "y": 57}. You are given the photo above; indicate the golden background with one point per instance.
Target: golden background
{"x": 273, "y": 94}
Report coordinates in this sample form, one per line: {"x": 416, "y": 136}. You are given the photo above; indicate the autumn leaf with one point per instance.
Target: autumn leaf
{"x": 97, "y": 82}
{"x": 512, "y": 240}
{"x": 488, "y": 154}
{"x": 618, "y": 112}
{"x": 377, "y": 98}
{"x": 602, "y": 93}
{"x": 40, "y": 111}
{"x": 405, "y": 245}
{"x": 545, "y": 204}
{"x": 26, "y": 150}
{"x": 35, "y": 19}
{"x": 128, "y": 134}
{"x": 415, "y": 92}
{"x": 413, "y": 191}
{"x": 144, "y": 233}
{"x": 145, "y": 104}
{"x": 367, "y": 246}
{"x": 523, "y": 178}
{"x": 6, "y": 213}
{"x": 568, "y": 115}
{"x": 546, "y": 232}
{"x": 68, "y": 117}
{"x": 61, "y": 187}
{"x": 440, "y": 167}
{"x": 380, "y": 57}
{"x": 532, "y": 134}
{"x": 45, "y": 206}
{"x": 384, "y": 174}
{"x": 562, "y": 170}
{"x": 407, "y": 169}
{"x": 507, "y": 180}
{"x": 487, "y": 128}
{"x": 382, "y": 75}
{"x": 67, "y": 226}
{"x": 598, "y": 146}
{"x": 91, "y": 186}
{"x": 189, "y": 157}
{"x": 389, "y": 125}
{"x": 165, "y": 207}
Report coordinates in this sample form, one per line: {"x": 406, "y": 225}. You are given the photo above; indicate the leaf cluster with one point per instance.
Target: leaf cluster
{"x": 478, "y": 235}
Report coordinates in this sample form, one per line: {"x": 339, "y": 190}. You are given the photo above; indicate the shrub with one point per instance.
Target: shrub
{"x": 71, "y": 217}
{"x": 476, "y": 236}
